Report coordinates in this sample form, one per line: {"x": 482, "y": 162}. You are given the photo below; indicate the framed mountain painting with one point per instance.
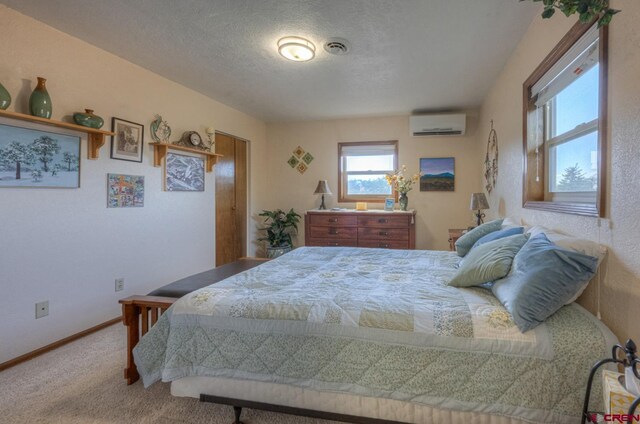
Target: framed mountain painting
{"x": 437, "y": 174}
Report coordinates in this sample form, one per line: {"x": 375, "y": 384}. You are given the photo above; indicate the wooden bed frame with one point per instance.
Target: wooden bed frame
{"x": 139, "y": 313}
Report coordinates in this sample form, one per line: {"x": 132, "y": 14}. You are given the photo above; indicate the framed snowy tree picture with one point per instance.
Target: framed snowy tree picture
{"x": 38, "y": 159}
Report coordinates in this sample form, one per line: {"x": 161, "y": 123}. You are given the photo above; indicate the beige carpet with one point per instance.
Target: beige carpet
{"x": 83, "y": 382}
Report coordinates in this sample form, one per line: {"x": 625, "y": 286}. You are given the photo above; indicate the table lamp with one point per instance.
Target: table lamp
{"x": 478, "y": 203}
{"x": 323, "y": 188}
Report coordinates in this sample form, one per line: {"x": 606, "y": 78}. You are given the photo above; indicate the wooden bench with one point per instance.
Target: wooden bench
{"x": 140, "y": 313}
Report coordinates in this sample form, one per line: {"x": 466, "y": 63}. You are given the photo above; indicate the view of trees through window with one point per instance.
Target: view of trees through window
{"x": 574, "y": 180}
{"x": 368, "y": 184}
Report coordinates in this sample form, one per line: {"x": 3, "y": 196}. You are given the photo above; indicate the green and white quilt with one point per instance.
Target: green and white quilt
{"x": 379, "y": 323}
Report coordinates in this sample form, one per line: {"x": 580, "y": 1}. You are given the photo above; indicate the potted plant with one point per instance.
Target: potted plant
{"x": 280, "y": 226}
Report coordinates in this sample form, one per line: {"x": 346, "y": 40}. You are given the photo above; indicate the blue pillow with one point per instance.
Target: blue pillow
{"x": 488, "y": 262}
{"x": 464, "y": 243}
{"x": 544, "y": 278}
{"x": 513, "y": 231}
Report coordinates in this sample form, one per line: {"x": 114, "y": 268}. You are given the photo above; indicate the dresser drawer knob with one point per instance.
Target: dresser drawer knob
{"x": 332, "y": 244}
{"x": 384, "y": 245}
{"x": 383, "y": 233}
{"x": 333, "y": 219}
{"x": 383, "y": 221}
{"x": 333, "y": 232}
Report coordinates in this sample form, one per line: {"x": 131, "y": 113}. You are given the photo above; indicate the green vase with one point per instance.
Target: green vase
{"x": 5, "y": 98}
{"x": 404, "y": 201}
{"x": 40, "y": 102}
{"x": 88, "y": 119}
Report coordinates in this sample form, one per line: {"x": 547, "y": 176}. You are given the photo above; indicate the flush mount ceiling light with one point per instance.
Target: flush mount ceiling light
{"x": 296, "y": 48}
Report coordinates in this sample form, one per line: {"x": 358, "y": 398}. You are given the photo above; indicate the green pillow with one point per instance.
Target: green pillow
{"x": 464, "y": 243}
{"x": 488, "y": 262}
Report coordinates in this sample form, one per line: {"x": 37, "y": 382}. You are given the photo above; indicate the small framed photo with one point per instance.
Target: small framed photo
{"x": 389, "y": 203}
{"x": 128, "y": 141}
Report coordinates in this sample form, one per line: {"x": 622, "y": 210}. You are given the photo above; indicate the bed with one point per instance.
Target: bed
{"x": 372, "y": 333}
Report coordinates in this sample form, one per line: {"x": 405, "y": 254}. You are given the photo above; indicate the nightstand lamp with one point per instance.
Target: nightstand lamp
{"x": 479, "y": 203}
{"x": 323, "y": 188}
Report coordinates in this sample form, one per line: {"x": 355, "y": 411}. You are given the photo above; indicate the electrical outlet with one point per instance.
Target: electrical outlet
{"x": 119, "y": 284}
{"x": 42, "y": 309}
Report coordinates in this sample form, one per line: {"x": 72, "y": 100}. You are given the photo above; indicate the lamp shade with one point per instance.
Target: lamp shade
{"x": 323, "y": 188}
{"x": 478, "y": 202}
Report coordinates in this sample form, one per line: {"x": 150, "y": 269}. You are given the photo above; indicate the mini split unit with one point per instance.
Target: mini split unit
{"x": 426, "y": 125}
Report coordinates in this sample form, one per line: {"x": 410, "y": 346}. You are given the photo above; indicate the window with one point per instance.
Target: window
{"x": 564, "y": 121}
{"x": 362, "y": 170}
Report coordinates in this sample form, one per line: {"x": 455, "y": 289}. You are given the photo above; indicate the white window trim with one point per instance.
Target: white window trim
{"x": 375, "y": 146}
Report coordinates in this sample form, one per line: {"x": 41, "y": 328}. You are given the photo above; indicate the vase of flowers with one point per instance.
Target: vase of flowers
{"x": 280, "y": 226}
{"x": 403, "y": 184}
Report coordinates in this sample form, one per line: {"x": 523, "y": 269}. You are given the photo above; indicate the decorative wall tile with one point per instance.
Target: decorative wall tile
{"x": 307, "y": 158}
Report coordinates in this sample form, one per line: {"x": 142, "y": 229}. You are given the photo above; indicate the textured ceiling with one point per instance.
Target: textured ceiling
{"x": 407, "y": 55}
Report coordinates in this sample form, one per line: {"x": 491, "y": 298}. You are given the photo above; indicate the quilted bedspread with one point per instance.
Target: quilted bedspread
{"x": 378, "y": 323}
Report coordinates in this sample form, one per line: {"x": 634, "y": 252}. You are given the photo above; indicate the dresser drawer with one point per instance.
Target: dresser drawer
{"x": 384, "y": 244}
{"x": 384, "y": 221}
{"x": 370, "y": 233}
{"x": 333, "y": 220}
{"x": 331, "y": 243}
{"x": 333, "y": 232}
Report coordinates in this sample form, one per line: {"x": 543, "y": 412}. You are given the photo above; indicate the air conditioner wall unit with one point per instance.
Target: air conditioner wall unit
{"x": 442, "y": 124}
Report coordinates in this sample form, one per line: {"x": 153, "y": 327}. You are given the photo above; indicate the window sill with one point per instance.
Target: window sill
{"x": 583, "y": 209}
{"x": 362, "y": 199}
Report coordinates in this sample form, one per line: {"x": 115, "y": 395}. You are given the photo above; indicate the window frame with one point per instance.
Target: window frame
{"x": 535, "y": 193}
{"x": 343, "y": 196}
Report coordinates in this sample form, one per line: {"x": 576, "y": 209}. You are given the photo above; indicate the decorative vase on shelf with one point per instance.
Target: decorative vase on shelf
{"x": 5, "y": 98}
{"x": 88, "y": 119}
{"x": 40, "y": 102}
{"x": 404, "y": 201}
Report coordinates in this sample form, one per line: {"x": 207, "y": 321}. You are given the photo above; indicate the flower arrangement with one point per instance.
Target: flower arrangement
{"x": 401, "y": 183}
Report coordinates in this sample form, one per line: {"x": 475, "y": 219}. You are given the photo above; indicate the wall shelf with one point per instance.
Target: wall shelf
{"x": 160, "y": 153}
{"x": 95, "y": 138}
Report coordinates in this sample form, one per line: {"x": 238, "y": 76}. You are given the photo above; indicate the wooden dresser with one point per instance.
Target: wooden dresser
{"x": 388, "y": 230}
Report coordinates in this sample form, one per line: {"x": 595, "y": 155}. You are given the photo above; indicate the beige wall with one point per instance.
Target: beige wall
{"x": 437, "y": 212}
{"x": 65, "y": 246}
{"x": 620, "y": 294}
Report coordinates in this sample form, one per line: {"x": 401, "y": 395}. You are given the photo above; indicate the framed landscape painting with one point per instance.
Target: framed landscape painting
{"x": 125, "y": 191}
{"x": 128, "y": 141}
{"x": 184, "y": 173}
{"x": 437, "y": 174}
{"x": 38, "y": 159}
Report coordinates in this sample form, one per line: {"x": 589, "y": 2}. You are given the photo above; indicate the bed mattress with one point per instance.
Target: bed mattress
{"x": 378, "y": 324}
{"x": 341, "y": 403}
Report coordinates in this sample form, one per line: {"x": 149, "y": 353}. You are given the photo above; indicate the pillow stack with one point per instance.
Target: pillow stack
{"x": 533, "y": 274}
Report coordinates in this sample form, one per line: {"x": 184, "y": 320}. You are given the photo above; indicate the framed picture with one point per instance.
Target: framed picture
{"x": 438, "y": 174}
{"x": 389, "y": 203}
{"x": 184, "y": 173}
{"x": 38, "y": 159}
{"x": 128, "y": 141}
{"x": 125, "y": 191}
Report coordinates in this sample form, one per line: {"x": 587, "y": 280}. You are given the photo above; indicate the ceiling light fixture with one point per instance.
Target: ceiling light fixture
{"x": 296, "y": 48}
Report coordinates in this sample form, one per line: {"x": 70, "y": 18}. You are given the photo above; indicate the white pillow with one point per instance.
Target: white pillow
{"x": 586, "y": 247}
{"x": 510, "y": 222}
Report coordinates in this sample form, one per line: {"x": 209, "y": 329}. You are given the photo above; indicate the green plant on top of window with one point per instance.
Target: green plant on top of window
{"x": 588, "y": 10}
